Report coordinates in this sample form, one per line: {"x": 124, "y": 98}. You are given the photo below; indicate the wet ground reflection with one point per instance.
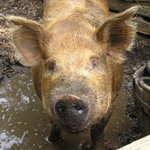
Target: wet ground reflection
{"x": 24, "y": 125}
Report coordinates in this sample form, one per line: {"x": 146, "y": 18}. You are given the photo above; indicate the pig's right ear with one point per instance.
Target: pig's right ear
{"x": 29, "y": 38}
{"x": 117, "y": 33}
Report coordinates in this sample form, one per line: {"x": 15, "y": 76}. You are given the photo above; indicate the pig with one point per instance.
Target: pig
{"x": 77, "y": 60}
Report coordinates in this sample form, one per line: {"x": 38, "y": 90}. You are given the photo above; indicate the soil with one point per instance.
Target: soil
{"x": 9, "y": 66}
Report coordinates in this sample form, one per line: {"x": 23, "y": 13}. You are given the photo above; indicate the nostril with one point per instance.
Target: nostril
{"x": 62, "y": 108}
{"x": 79, "y": 108}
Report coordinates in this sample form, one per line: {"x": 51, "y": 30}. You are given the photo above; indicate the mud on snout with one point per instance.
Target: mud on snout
{"x": 71, "y": 104}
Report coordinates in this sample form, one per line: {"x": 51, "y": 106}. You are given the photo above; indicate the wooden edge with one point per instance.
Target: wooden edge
{"x": 142, "y": 144}
{"x": 120, "y": 5}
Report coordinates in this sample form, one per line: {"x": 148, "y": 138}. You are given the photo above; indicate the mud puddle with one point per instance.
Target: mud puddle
{"x": 25, "y": 126}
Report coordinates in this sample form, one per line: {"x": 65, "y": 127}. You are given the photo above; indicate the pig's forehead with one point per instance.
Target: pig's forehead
{"x": 69, "y": 54}
{"x": 73, "y": 41}
{"x": 77, "y": 49}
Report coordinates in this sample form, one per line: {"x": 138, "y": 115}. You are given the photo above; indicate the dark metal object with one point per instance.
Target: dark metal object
{"x": 141, "y": 86}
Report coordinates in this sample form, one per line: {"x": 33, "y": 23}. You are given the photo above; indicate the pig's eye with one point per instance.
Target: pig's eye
{"x": 94, "y": 62}
{"x": 51, "y": 66}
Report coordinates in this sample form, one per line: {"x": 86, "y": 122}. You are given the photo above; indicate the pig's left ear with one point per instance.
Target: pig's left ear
{"x": 117, "y": 33}
{"x": 30, "y": 38}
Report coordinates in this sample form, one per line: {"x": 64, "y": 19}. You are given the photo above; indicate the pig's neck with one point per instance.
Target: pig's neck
{"x": 60, "y": 13}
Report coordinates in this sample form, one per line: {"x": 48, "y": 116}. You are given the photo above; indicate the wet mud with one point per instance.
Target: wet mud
{"x": 24, "y": 124}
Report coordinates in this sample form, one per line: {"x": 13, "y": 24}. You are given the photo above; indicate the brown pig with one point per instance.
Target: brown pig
{"x": 76, "y": 56}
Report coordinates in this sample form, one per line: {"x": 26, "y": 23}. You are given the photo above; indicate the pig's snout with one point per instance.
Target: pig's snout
{"x": 72, "y": 113}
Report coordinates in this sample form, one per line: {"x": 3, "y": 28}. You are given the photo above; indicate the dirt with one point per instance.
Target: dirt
{"x": 9, "y": 66}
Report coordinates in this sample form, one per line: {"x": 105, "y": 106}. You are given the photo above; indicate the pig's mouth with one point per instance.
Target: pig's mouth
{"x": 75, "y": 128}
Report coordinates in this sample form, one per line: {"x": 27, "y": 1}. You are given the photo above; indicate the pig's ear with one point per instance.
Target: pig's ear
{"x": 29, "y": 38}
{"x": 117, "y": 33}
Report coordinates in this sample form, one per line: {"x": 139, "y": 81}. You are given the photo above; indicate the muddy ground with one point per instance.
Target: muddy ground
{"x": 9, "y": 66}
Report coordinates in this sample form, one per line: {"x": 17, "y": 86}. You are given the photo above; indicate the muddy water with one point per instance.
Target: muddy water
{"x": 24, "y": 125}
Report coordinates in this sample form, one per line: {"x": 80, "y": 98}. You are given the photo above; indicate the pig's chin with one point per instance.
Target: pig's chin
{"x": 74, "y": 129}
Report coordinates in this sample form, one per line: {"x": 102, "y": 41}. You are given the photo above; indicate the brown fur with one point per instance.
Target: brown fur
{"x": 73, "y": 34}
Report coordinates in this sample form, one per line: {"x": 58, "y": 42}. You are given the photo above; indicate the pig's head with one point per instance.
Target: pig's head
{"x": 77, "y": 71}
